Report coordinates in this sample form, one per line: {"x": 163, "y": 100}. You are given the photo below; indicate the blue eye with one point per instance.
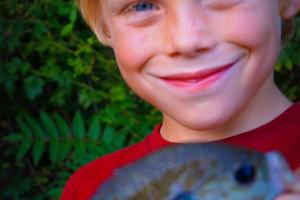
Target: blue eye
{"x": 145, "y": 6}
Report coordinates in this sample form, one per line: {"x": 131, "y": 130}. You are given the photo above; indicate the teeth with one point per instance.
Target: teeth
{"x": 193, "y": 81}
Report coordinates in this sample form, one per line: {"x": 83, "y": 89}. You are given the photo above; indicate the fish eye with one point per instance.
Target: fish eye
{"x": 245, "y": 174}
{"x": 184, "y": 196}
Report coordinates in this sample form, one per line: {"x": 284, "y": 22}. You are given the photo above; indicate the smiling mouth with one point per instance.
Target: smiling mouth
{"x": 197, "y": 80}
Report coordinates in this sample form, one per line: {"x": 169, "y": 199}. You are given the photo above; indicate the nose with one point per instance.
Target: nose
{"x": 190, "y": 33}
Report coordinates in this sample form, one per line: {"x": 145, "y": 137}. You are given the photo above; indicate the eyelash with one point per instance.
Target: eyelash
{"x": 134, "y": 6}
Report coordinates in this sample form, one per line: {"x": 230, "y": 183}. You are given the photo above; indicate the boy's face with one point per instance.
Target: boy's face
{"x": 198, "y": 61}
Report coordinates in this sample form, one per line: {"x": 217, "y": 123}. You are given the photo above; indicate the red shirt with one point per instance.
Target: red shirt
{"x": 281, "y": 134}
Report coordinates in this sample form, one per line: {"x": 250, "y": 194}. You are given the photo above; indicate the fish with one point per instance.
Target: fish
{"x": 207, "y": 171}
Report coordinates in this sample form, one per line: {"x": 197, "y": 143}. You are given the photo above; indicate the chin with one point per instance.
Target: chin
{"x": 205, "y": 123}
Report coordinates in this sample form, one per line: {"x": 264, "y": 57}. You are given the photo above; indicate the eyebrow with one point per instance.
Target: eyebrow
{"x": 113, "y": 1}
{"x": 112, "y": 5}
{"x": 110, "y": 0}
{"x": 116, "y": 1}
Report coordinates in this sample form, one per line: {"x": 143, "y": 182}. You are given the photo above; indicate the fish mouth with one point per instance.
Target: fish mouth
{"x": 280, "y": 174}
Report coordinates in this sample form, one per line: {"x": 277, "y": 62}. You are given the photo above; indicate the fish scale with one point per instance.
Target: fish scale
{"x": 199, "y": 172}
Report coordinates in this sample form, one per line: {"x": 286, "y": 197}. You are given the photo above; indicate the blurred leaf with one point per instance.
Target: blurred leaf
{"x": 63, "y": 126}
{"x": 66, "y": 147}
{"x": 38, "y": 150}
{"x": 67, "y": 29}
{"x": 54, "y": 192}
{"x": 79, "y": 148}
{"x": 13, "y": 138}
{"x": 94, "y": 130}
{"x": 33, "y": 86}
{"x": 119, "y": 140}
{"x": 54, "y": 151}
{"x": 23, "y": 149}
{"x": 73, "y": 15}
{"x": 13, "y": 43}
{"x": 108, "y": 134}
{"x": 24, "y": 127}
{"x": 118, "y": 93}
{"x": 39, "y": 29}
{"x": 37, "y": 129}
{"x": 78, "y": 125}
{"x": 49, "y": 124}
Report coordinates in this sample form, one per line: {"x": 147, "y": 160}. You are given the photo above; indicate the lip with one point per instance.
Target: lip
{"x": 197, "y": 80}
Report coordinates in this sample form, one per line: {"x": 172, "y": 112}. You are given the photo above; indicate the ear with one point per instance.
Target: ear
{"x": 292, "y": 9}
{"x": 103, "y": 35}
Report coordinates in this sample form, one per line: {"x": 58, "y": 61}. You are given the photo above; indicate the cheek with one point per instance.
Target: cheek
{"x": 125, "y": 48}
{"x": 258, "y": 35}
{"x": 132, "y": 49}
{"x": 253, "y": 29}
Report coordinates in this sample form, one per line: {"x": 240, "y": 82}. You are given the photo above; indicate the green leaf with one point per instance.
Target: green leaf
{"x": 66, "y": 148}
{"x": 119, "y": 140}
{"x": 78, "y": 125}
{"x": 13, "y": 42}
{"x": 73, "y": 15}
{"x": 24, "y": 127}
{"x": 38, "y": 150}
{"x": 289, "y": 64}
{"x": 49, "y": 124}
{"x": 94, "y": 130}
{"x": 14, "y": 138}
{"x": 88, "y": 97}
{"x": 39, "y": 29}
{"x": 94, "y": 149}
{"x": 108, "y": 134}
{"x": 23, "y": 149}
{"x": 36, "y": 128}
{"x": 54, "y": 193}
{"x": 58, "y": 97}
{"x": 62, "y": 126}
{"x": 117, "y": 93}
{"x": 79, "y": 148}
{"x": 24, "y": 68}
{"x": 14, "y": 65}
{"x": 278, "y": 67}
{"x": 54, "y": 151}
{"x": 67, "y": 29}
{"x": 67, "y": 142}
{"x": 10, "y": 87}
{"x": 33, "y": 87}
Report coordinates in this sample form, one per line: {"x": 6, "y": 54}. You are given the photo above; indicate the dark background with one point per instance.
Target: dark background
{"x": 63, "y": 102}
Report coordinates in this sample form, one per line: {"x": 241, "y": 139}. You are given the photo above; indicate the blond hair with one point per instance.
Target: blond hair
{"x": 91, "y": 12}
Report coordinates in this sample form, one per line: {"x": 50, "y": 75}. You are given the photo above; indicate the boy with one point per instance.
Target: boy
{"x": 207, "y": 65}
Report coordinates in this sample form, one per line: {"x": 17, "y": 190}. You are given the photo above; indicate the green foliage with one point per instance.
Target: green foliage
{"x": 60, "y": 144}
{"x": 288, "y": 66}
{"x": 63, "y": 102}
{"x": 60, "y": 140}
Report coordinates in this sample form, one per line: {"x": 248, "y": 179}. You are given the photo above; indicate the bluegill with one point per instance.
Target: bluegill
{"x": 208, "y": 171}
